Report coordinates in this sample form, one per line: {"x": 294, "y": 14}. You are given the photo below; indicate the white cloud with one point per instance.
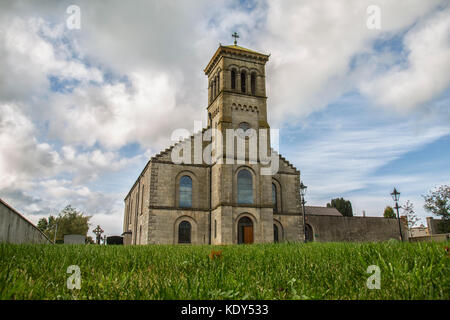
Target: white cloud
{"x": 312, "y": 44}
{"x": 426, "y": 74}
{"x": 22, "y": 157}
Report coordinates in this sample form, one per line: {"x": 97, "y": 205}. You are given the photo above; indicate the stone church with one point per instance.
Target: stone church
{"x": 221, "y": 201}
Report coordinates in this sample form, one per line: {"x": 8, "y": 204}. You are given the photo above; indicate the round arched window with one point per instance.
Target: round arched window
{"x": 185, "y": 192}
{"x": 184, "y": 232}
{"x": 245, "y": 187}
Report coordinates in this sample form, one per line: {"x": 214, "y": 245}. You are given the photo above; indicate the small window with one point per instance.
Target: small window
{"x": 184, "y": 232}
{"x": 253, "y": 83}
{"x": 211, "y": 90}
{"x": 245, "y": 187}
{"x": 274, "y": 198}
{"x": 142, "y": 199}
{"x": 243, "y": 78}
{"x": 275, "y": 233}
{"x": 186, "y": 192}
{"x": 233, "y": 79}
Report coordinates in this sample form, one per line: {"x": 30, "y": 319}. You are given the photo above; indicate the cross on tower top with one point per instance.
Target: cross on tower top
{"x": 235, "y": 35}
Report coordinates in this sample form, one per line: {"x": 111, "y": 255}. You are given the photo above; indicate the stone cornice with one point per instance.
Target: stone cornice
{"x": 234, "y": 51}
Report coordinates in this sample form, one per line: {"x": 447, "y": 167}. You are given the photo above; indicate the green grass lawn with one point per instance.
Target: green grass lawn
{"x": 260, "y": 271}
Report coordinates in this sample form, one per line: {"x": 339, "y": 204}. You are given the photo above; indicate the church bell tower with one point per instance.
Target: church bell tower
{"x": 237, "y": 100}
{"x": 237, "y": 88}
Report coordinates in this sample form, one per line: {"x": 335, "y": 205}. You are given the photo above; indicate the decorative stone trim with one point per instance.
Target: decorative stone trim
{"x": 244, "y": 107}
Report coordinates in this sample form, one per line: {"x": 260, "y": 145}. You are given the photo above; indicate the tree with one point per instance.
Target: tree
{"x": 411, "y": 218}
{"x": 389, "y": 212}
{"x": 437, "y": 202}
{"x": 48, "y": 226}
{"x": 69, "y": 221}
{"x": 342, "y": 205}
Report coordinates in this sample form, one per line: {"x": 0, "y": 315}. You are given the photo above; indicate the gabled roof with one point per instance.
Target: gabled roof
{"x": 322, "y": 211}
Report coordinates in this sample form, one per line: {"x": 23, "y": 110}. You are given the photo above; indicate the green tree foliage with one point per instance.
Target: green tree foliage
{"x": 437, "y": 201}
{"x": 342, "y": 205}
{"x": 389, "y": 212}
{"x": 68, "y": 221}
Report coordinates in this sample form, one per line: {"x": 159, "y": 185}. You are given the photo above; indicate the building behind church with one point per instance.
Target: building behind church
{"x": 229, "y": 200}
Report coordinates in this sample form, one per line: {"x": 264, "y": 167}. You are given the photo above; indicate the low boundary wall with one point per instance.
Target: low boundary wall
{"x": 15, "y": 228}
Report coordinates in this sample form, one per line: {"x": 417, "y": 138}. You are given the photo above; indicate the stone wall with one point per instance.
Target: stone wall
{"x": 335, "y": 228}
{"x": 163, "y": 228}
{"x": 435, "y": 226}
{"x": 436, "y": 237}
{"x": 14, "y": 228}
{"x": 290, "y": 227}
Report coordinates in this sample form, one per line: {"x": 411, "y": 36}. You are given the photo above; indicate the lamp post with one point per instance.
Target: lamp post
{"x": 396, "y": 196}
{"x": 302, "y": 193}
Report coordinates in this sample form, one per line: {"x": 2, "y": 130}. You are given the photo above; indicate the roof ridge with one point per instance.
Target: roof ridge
{"x": 161, "y": 153}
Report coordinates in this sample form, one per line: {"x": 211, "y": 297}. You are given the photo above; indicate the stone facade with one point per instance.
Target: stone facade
{"x": 217, "y": 211}
{"x": 152, "y": 207}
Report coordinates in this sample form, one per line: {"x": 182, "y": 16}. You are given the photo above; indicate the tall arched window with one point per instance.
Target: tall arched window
{"x": 184, "y": 232}
{"x": 274, "y": 198}
{"x": 253, "y": 83}
{"x": 233, "y": 79}
{"x": 275, "y": 233}
{"x": 211, "y": 90}
{"x": 243, "y": 78}
{"x": 186, "y": 192}
{"x": 245, "y": 187}
{"x": 218, "y": 82}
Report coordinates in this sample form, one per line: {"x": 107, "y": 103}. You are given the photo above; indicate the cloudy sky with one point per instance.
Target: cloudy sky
{"x": 360, "y": 110}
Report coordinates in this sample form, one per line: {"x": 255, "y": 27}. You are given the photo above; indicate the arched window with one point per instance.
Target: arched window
{"x": 275, "y": 233}
{"x": 214, "y": 88}
{"x": 142, "y": 199}
{"x": 274, "y": 198}
{"x": 243, "y": 78}
{"x": 245, "y": 187}
{"x": 211, "y": 90}
{"x": 233, "y": 79}
{"x": 186, "y": 192}
{"x": 253, "y": 83}
{"x": 184, "y": 232}
{"x": 218, "y": 82}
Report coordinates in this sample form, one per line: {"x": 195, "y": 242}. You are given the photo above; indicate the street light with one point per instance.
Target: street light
{"x": 302, "y": 193}
{"x": 396, "y": 196}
